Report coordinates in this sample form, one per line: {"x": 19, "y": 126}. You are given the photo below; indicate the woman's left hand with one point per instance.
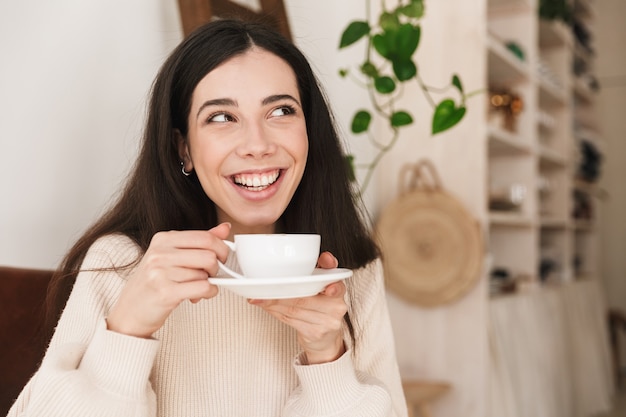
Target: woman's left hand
{"x": 318, "y": 320}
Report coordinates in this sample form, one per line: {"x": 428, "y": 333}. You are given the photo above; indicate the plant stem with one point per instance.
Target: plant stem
{"x": 372, "y": 165}
{"x": 425, "y": 90}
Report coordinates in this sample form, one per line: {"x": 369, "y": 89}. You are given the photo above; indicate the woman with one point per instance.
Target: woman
{"x": 239, "y": 139}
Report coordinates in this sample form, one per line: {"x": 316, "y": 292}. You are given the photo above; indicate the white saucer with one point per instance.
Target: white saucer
{"x": 285, "y": 287}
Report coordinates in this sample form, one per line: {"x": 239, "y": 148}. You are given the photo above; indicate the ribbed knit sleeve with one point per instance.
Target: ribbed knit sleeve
{"x": 88, "y": 370}
{"x": 364, "y": 382}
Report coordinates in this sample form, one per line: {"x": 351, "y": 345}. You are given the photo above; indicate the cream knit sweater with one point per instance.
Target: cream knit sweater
{"x": 219, "y": 358}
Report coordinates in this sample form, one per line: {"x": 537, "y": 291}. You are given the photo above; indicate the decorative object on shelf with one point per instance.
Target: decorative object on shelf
{"x": 516, "y": 49}
{"x": 583, "y": 36}
{"x": 549, "y": 265}
{"x": 555, "y": 10}
{"x": 590, "y": 162}
{"x": 545, "y": 187}
{"x": 501, "y": 282}
{"x": 504, "y": 109}
{"x": 433, "y": 249}
{"x": 546, "y": 120}
{"x": 548, "y": 75}
{"x": 507, "y": 198}
{"x": 393, "y": 37}
{"x": 582, "y": 208}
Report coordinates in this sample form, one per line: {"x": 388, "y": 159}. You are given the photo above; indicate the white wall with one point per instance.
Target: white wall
{"x": 74, "y": 77}
{"x": 611, "y": 70}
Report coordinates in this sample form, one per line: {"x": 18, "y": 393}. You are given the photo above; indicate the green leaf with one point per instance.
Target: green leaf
{"x": 355, "y": 31}
{"x": 369, "y": 69}
{"x": 361, "y": 121}
{"x": 408, "y": 39}
{"x": 415, "y": 9}
{"x": 389, "y": 22}
{"x": 446, "y": 116}
{"x": 404, "y": 70}
{"x": 401, "y": 118}
{"x": 456, "y": 81}
{"x": 383, "y": 44}
{"x": 384, "y": 85}
{"x": 343, "y": 72}
{"x": 349, "y": 161}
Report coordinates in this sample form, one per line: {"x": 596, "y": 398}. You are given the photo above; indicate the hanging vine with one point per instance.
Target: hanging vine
{"x": 392, "y": 39}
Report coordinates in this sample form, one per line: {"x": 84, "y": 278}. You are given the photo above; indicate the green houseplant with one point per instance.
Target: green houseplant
{"x": 392, "y": 38}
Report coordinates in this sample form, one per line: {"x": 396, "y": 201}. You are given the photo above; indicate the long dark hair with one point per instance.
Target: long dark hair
{"x": 158, "y": 197}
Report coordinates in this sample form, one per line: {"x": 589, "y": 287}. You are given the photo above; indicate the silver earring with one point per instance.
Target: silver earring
{"x": 182, "y": 168}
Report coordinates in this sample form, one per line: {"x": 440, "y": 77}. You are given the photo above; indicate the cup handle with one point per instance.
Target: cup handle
{"x": 226, "y": 269}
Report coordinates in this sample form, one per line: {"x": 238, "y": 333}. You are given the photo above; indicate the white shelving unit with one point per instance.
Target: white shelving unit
{"x": 547, "y": 242}
{"x": 536, "y": 238}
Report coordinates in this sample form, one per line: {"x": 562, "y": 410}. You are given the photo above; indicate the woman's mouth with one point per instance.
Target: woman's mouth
{"x": 256, "y": 181}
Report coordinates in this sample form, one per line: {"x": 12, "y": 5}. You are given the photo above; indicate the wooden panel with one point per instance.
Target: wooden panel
{"x": 195, "y": 13}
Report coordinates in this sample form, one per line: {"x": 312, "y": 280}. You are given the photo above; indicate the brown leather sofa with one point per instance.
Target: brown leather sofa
{"x": 22, "y": 343}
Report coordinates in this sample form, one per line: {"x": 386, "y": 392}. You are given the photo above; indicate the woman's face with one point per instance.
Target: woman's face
{"x": 247, "y": 139}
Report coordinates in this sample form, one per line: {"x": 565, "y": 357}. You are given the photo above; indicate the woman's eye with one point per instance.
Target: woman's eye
{"x": 283, "y": 111}
{"x": 220, "y": 118}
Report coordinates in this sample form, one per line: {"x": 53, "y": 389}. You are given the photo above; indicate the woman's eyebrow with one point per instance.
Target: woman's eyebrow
{"x": 277, "y": 97}
{"x": 216, "y": 102}
{"x": 230, "y": 102}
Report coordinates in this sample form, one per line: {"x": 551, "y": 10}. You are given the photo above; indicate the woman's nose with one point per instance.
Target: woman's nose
{"x": 256, "y": 142}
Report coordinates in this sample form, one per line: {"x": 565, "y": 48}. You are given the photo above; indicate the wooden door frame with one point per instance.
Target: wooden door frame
{"x": 195, "y": 13}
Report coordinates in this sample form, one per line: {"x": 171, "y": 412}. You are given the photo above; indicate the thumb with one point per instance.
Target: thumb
{"x": 222, "y": 230}
{"x": 327, "y": 260}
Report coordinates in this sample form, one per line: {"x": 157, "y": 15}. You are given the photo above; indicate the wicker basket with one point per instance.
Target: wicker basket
{"x": 432, "y": 248}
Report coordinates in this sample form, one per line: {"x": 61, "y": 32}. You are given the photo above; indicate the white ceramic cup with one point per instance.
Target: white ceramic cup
{"x": 274, "y": 255}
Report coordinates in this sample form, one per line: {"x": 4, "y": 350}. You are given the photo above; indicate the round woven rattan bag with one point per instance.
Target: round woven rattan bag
{"x": 432, "y": 247}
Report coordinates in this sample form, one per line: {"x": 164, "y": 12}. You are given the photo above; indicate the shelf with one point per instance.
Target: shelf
{"x": 583, "y": 225}
{"x": 543, "y": 152}
{"x": 582, "y": 54}
{"x": 584, "y": 8}
{"x": 551, "y": 222}
{"x": 504, "y": 143}
{"x": 595, "y": 138}
{"x": 586, "y": 187}
{"x": 545, "y": 121}
{"x": 508, "y": 6}
{"x": 504, "y": 67}
{"x": 507, "y": 219}
{"x": 582, "y": 91}
{"x": 554, "y": 34}
{"x": 549, "y": 158}
{"x": 550, "y": 95}
{"x": 585, "y": 276}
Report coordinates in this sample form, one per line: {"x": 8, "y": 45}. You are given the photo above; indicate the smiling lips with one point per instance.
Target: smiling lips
{"x": 256, "y": 181}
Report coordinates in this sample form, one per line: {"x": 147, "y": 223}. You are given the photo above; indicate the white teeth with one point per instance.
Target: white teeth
{"x": 256, "y": 181}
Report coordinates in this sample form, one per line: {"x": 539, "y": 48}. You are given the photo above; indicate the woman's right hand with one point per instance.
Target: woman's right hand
{"x": 174, "y": 268}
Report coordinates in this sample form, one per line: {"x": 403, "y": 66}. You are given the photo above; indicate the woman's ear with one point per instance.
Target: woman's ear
{"x": 183, "y": 151}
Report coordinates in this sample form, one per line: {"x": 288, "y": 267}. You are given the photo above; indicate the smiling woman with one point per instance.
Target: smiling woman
{"x": 247, "y": 126}
{"x": 144, "y": 332}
